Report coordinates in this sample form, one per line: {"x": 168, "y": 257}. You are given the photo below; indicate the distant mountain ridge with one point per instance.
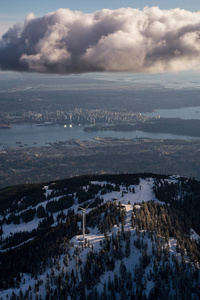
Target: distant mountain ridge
{"x": 141, "y": 242}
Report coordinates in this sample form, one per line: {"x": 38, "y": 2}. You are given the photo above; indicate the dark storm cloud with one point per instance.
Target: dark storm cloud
{"x": 151, "y": 40}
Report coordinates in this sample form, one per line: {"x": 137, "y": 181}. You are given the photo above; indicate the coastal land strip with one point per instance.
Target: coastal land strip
{"x": 155, "y": 125}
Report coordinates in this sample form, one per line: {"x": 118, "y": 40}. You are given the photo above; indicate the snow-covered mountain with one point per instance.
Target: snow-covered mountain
{"x": 141, "y": 239}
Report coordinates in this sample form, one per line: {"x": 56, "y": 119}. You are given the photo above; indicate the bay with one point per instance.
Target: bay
{"x": 36, "y": 136}
{"x": 185, "y": 113}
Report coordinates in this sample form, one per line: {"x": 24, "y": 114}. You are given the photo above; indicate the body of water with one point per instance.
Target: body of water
{"x": 34, "y": 136}
{"x": 186, "y": 113}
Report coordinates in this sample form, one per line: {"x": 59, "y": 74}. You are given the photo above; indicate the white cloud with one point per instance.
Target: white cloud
{"x": 65, "y": 41}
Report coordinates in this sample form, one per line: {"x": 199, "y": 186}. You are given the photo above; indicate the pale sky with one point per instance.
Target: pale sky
{"x": 12, "y": 11}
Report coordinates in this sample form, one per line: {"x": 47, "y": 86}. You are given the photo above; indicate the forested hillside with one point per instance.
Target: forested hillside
{"x": 141, "y": 239}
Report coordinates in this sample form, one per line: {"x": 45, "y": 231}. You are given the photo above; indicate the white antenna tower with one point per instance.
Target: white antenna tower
{"x": 84, "y": 218}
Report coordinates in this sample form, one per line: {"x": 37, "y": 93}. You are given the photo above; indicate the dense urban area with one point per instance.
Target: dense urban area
{"x": 99, "y": 156}
{"x": 76, "y": 116}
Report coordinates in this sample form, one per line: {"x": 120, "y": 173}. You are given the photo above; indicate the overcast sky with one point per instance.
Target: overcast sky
{"x": 69, "y": 36}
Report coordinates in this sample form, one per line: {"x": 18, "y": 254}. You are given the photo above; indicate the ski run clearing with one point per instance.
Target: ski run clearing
{"x": 95, "y": 241}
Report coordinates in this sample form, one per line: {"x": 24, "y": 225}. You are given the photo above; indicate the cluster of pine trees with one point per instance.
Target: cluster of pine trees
{"x": 183, "y": 197}
{"x": 170, "y": 276}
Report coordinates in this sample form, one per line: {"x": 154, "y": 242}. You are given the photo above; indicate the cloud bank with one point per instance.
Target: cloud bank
{"x": 65, "y": 41}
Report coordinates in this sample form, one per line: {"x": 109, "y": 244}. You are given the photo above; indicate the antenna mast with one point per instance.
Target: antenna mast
{"x": 84, "y": 218}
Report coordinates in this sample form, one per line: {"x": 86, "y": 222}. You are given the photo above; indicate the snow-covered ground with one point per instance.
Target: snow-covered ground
{"x": 95, "y": 240}
{"x": 142, "y": 192}
{"x": 194, "y": 235}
